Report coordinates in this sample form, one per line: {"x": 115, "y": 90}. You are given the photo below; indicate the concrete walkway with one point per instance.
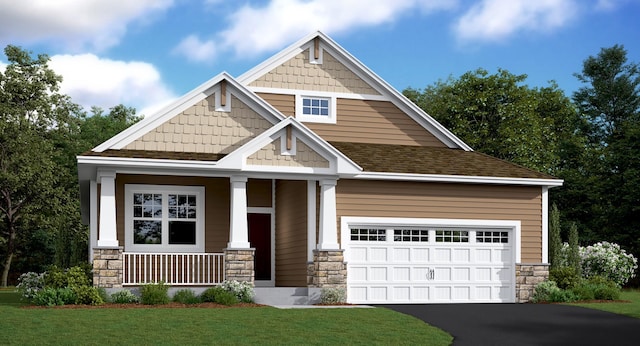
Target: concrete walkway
{"x": 526, "y": 324}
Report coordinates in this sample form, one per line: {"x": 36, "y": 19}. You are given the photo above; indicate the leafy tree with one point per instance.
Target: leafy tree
{"x": 555, "y": 240}
{"x": 498, "y": 115}
{"x": 609, "y": 101}
{"x": 31, "y": 108}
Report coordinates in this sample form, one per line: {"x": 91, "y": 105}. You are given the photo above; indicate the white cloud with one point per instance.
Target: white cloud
{"x": 257, "y": 29}
{"x": 92, "y": 81}
{"x": 77, "y": 23}
{"x": 495, "y": 20}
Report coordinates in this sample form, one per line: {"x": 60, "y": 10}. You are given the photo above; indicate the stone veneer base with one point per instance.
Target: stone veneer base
{"x": 327, "y": 270}
{"x": 238, "y": 264}
{"x": 528, "y": 275}
{"x": 107, "y": 267}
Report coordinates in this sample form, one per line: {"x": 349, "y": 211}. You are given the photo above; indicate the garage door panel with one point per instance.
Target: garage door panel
{"x": 398, "y": 268}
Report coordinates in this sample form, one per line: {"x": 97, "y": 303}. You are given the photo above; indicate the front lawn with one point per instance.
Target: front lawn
{"x": 631, "y": 308}
{"x": 261, "y": 325}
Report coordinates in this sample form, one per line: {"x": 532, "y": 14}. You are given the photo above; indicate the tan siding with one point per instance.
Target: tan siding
{"x": 217, "y": 191}
{"x": 363, "y": 121}
{"x": 299, "y": 74}
{"x": 291, "y": 234}
{"x": 201, "y": 129}
{"x": 259, "y": 193}
{"x": 271, "y": 155}
{"x": 448, "y": 201}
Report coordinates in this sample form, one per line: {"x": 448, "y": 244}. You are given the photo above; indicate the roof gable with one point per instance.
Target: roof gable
{"x": 303, "y": 48}
{"x": 216, "y": 117}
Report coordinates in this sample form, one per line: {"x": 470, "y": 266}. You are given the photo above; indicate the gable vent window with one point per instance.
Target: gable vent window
{"x": 316, "y": 109}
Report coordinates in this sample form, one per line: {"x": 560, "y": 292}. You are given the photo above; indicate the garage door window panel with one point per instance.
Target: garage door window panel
{"x": 452, "y": 236}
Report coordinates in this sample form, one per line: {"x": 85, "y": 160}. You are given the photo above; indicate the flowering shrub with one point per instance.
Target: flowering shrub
{"x": 241, "y": 289}
{"x": 29, "y": 284}
{"x": 330, "y": 295}
{"x": 124, "y": 297}
{"x": 609, "y": 261}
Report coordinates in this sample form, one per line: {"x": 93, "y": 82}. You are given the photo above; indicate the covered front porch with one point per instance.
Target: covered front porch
{"x": 270, "y": 232}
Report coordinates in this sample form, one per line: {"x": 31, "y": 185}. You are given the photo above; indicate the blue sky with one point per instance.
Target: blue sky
{"x": 146, "y": 53}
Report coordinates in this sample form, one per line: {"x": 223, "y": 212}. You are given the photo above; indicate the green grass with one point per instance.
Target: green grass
{"x": 631, "y": 308}
{"x": 232, "y": 326}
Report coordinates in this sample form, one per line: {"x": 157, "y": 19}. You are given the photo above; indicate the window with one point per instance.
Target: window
{"x": 367, "y": 234}
{"x": 492, "y": 237}
{"x": 410, "y": 235}
{"x": 451, "y": 236}
{"x": 318, "y": 109}
{"x": 164, "y": 218}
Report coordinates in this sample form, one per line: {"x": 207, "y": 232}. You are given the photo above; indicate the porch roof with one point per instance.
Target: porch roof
{"x": 385, "y": 158}
{"x": 160, "y": 155}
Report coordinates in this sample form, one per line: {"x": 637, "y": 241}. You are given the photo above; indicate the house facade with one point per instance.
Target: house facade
{"x": 309, "y": 170}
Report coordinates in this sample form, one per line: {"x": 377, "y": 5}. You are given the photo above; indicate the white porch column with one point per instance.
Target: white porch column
{"x": 238, "y": 229}
{"x": 107, "y": 236}
{"x": 328, "y": 237}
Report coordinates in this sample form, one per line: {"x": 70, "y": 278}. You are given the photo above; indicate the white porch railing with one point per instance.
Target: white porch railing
{"x": 173, "y": 268}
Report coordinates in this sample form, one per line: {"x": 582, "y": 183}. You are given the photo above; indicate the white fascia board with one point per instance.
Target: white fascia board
{"x": 147, "y": 124}
{"x": 341, "y": 95}
{"x": 459, "y": 179}
{"x": 142, "y": 163}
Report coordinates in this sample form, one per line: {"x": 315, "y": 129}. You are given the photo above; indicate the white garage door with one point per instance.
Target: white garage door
{"x": 430, "y": 265}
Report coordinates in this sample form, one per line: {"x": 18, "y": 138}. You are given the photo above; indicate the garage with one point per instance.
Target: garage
{"x": 430, "y": 261}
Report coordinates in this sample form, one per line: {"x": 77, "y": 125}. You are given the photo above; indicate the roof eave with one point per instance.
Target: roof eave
{"x": 460, "y": 179}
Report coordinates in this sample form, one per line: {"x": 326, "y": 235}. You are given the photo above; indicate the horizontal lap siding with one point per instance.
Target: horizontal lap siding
{"x": 291, "y": 234}
{"x": 448, "y": 201}
{"x": 363, "y": 121}
{"x": 217, "y": 191}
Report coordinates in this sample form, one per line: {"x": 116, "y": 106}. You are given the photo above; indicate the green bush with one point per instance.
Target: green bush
{"x": 597, "y": 287}
{"x": 241, "y": 289}
{"x": 186, "y": 296}
{"x": 88, "y": 295}
{"x": 584, "y": 291}
{"x": 124, "y": 297}
{"x": 209, "y": 295}
{"x": 154, "y": 294}
{"x": 333, "y": 295}
{"x": 549, "y": 292}
{"x": 48, "y": 296}
{"x": 564, "y": 277}
{"x": 225, "y": 297}
{"x": 57, "y": 277}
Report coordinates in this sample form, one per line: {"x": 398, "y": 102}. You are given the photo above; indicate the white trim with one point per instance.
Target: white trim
{"x": 199, "y": 191}
{"x": 459, "y": 179}
{"x": 271, "y": 212}
{"x": 328, "y": 237}
{"x": 283, "y": 145}
{"x": 347, "y": 221}
{"x": 238, "y": 226}
{"x": 311, "y": 218}
{"x": 337, "y": 95}
{"x": 545, "y": 224}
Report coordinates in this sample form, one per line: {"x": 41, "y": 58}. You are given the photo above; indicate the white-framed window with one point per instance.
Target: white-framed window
{"x": 164, "y": 218}
{"x": 318, "y": 109}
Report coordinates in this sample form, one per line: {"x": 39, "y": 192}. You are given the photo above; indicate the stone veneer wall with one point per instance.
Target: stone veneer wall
{"x": 328, "y": 269}
{"x": 527, "y": 277}
{"x": 107, "y": 267}
{"x": 238, "y": 264}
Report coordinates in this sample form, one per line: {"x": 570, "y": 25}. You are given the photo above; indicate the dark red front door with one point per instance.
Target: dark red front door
{"x": 260, "y": 239}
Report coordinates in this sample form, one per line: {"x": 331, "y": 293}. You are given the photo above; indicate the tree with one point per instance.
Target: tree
{"x": 609, "y": 101}
{"x": 30, "y": 110}
{"x": 555, "y": 240}
{"x": 498, "y": 115}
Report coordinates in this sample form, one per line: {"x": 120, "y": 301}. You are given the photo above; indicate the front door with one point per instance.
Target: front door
{"x": 260, "y": 239}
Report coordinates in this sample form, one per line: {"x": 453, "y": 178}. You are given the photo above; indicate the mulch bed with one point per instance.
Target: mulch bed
{"x": 142, "y": 306}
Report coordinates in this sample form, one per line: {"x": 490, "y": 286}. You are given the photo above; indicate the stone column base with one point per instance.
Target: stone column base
{"x": 238, "y": 264}
{"x": 329, "y": 269}
{"x": 527, "y": 277}
{"x": 108, "y": 265}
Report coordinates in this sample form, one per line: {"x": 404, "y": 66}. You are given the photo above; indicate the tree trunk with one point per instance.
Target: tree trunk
{"x": 11, "y": 249}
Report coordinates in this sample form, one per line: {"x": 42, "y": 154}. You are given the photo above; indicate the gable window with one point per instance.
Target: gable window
{"x": 164, "y": 218}
{"x": 317, "y": 109}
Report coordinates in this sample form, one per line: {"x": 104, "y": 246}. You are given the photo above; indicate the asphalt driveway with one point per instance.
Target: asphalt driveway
{"x": 526, "y": 324}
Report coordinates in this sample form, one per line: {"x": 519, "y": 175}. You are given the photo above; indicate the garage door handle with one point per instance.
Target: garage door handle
{"x": 432, "y": 274}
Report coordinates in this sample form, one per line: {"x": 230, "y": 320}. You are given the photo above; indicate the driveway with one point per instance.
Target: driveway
{"x": 526, "y": 324}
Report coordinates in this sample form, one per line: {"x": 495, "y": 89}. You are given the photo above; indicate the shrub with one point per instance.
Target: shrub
{"x": 186, "y": 296}
{"x": 88, "y": 295}
{"x": 209, "y": 295}
{"x": 124, "y": 297}
{"x": 154, "y": 294}
{"x": 57, "y": 277}
{"x": 608, "y": 260}
{"x": 29, "y": 284}
{"x": 333, "y": 295}
{"x": 225, "y": 297}
{"x": 549, "y": 292}
{"x": 47, "y": 296}
{"x": 241, "y": 289}
{"x": 564, "y": 277}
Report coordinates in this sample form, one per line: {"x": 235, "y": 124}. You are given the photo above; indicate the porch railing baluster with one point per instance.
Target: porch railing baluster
{"x": 173, "y": 268}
